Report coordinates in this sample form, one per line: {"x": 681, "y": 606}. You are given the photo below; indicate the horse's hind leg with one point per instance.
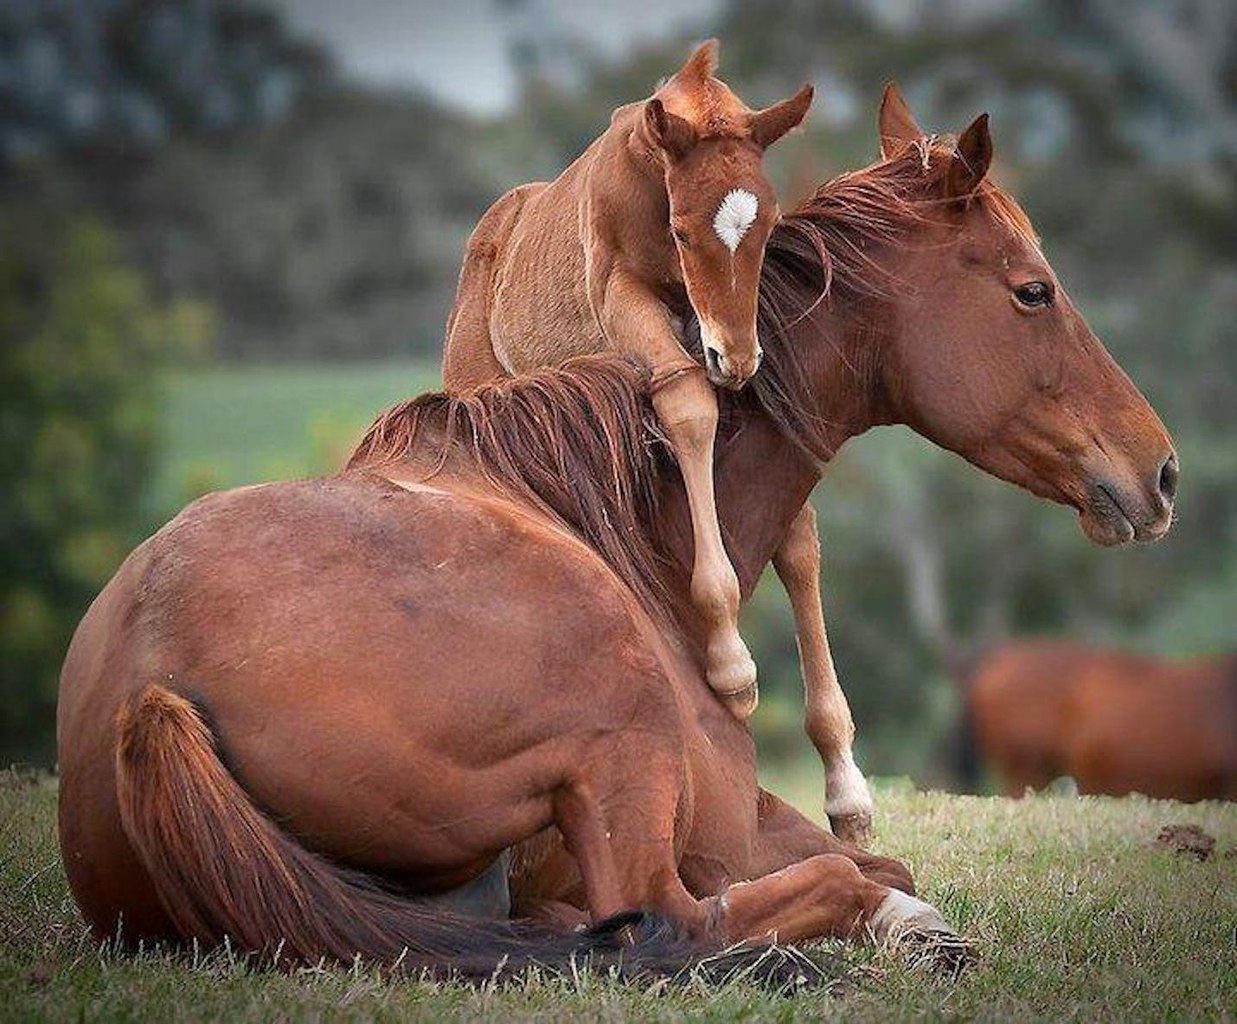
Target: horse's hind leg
{"x": 468, "y": 357}
{"x": 848, "y": 802}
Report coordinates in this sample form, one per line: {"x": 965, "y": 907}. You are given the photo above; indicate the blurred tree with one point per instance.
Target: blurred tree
{"x": 125, "y": 76}
{"x": 80, "y": 341}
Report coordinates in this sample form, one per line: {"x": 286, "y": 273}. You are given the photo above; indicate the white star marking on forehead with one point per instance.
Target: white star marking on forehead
{"x": 735, "y": 216}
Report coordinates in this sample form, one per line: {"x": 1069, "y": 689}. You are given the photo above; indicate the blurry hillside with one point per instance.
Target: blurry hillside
{"x": 307, "y": 221}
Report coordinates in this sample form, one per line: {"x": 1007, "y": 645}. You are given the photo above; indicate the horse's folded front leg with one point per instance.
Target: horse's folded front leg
{"x": 686, "y": 408}
{"x": 825, "y": 895}
{"x": 848, "y": 801}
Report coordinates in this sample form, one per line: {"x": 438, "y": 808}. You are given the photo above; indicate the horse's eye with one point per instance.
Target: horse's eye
{"x": 1037, "y": 293}
{"x": 680, "y": 236}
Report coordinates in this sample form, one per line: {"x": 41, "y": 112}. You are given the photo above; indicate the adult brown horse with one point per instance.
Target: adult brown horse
{"x": 1116, "y": 722}
{"x": 829, "y": 246}
{"x": 469, "y": 636}
{"x": 670, "y": 206}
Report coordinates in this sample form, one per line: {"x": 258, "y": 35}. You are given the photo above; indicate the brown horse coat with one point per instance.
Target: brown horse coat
{"x": 666, "y": 213}
{"x": 1117, "y": 723}
{"x": 295, "y": 691}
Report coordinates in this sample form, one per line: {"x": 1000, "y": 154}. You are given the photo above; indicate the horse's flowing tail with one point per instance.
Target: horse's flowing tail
{"x": 223, "y": 870}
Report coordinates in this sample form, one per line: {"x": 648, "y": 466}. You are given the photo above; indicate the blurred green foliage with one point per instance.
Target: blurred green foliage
{"x": 81, "y": 342}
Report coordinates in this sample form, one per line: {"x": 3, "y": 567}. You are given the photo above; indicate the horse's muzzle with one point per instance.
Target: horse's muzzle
{"x": 728, "y": 372}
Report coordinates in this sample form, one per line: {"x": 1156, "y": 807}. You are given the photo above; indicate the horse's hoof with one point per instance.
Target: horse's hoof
{"x": 855, "y": 829}
{"x": 743, "y": 703}
{"x": 732, "y": 676}
{"x": 848, "y": 800}
{"x": 916, "y": 930}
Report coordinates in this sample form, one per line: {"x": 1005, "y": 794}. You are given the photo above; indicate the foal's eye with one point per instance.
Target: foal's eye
{"x": 680, "y": 236}
{"x": 1037, "y": 293}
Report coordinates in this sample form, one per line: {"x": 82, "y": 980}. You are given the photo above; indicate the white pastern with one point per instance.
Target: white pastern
{"x": 735, "y": 216}
{"x": 846, "y": 790}
{"x": 900, "y": 912}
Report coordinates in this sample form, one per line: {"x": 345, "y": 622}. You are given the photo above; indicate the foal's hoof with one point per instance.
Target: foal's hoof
{"x": 848, "y": 800}
{"x": 743, "y": 703}
{"x": 917, "y": 931}
{"x": 853, "y": 828}
{"x": 732, "y": 676}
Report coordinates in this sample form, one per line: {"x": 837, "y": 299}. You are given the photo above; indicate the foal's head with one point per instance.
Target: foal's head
{"x": 992, "y": 359}
{"x": 722, "y": 206}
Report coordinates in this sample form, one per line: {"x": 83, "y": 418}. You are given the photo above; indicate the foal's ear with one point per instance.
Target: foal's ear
{"x": 769, "y": 125}
{"x": 898, "y": 126}
{"x": 672, "y": 133}
{"x": 971, "y": 159}
{"x": 700, "y": 65}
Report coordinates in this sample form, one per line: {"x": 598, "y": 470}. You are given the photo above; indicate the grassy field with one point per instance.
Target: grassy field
{"x": 224, "y": 426}
{"x": 1078, "y": 916}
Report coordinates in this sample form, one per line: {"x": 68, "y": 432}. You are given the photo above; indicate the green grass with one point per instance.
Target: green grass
{"x": 1077, "y": 914}
{"x": 223, "y": 426}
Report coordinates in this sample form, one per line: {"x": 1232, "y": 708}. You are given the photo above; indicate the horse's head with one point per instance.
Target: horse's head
{"x": 992, "y": 360}
{"x": 722, "y": 206}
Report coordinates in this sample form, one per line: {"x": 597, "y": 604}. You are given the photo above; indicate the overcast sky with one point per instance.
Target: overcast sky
{"x": 457, "y": 48}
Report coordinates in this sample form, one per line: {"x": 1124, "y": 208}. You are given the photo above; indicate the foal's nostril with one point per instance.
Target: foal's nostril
{"x": 1169, "y": 472}
{"x": 713, "y": 361}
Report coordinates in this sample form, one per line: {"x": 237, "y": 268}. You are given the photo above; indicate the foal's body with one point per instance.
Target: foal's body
{"x": 665, "y": 213}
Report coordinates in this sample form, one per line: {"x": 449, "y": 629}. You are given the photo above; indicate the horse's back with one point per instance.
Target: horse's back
{"x": 1162, "y": 728}
{"x": 395, "y": 675}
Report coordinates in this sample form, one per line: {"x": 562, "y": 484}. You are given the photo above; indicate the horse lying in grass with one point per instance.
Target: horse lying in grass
{"x": 1117, "y": 723}
{"x": 940, "y": 313}
{"x": 302, "y": 708}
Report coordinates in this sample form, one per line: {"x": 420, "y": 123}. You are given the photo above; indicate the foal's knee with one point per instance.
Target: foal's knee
{"x": 687, "y": 410}
{"x": 797, "y": 559}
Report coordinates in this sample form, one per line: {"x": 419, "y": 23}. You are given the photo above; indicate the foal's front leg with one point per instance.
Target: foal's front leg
{"x": 686, "y": 408}
{"x": 848, "y": 802}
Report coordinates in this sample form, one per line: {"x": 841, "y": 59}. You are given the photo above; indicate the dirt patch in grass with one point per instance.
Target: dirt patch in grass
{"x": 1189, "y": 839}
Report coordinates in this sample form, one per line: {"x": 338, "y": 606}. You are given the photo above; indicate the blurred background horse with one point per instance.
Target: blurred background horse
{"x": 1116, "y": 723}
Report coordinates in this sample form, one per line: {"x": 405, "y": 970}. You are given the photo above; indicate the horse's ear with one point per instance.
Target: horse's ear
{"x": 672, "y": 133}
{"x": 898, "y": 126}
{"x": 770, "y": 124}
{"x": 700, "y": 65}
{"x": 971, "y": 159}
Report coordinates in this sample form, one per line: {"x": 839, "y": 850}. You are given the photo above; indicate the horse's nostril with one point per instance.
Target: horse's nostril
{"x": 1169, "y": 472}
{"x": 713, "y": 360}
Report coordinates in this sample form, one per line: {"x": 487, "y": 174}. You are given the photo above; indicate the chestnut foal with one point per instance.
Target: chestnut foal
{"x": 669, "y": 209}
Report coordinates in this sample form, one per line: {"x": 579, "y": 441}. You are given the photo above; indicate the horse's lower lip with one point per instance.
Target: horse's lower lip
{"x": 1103, "y": 519}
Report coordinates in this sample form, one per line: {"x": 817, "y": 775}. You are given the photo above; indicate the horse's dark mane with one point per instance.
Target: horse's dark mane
{"x": 579, "y": 442}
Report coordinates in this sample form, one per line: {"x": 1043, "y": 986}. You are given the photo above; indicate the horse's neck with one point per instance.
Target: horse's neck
{"x": 762, "y": 477}
{"x": 625, "y": 202}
